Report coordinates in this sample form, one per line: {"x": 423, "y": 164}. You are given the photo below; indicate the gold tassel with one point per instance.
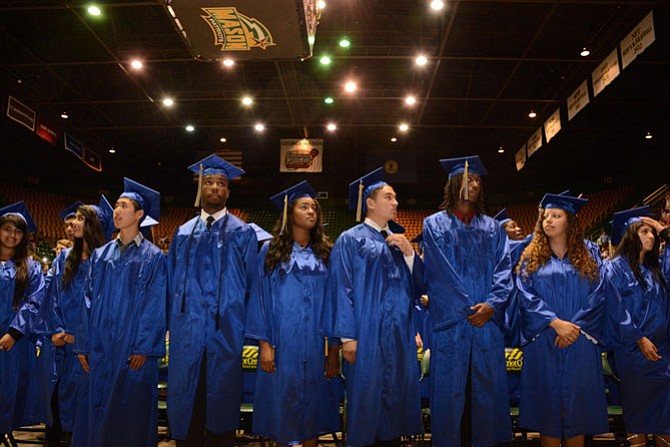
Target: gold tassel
{"x": 464, "y": 184}
{"x": 359, "y": 205}
{"x": 197, "y": 196}
{"x": 284, "y": 214}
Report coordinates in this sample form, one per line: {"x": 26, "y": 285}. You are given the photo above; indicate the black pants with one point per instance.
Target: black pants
{"x": 197, "y": 435}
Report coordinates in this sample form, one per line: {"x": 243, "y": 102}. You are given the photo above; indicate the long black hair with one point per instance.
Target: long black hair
{"x": 452, "y": 194}
{"x": 630, "y": 247}
{"x": 94, "y": 236}
{"x": 20, "y": 257}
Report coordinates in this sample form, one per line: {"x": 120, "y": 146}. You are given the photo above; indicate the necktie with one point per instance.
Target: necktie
{"x": 210, "y": 220}
{"x": 384, "y": 234}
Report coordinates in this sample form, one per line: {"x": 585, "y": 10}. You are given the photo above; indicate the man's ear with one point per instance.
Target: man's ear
{"x": 140, "y": 215}
{"x": 370, "y": 204}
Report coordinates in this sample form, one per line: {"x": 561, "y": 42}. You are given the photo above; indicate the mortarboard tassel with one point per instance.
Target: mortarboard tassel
{"x": 359, "y": 205}
{"x": 284, "y": 213}
{"x": 197, "y": 196}
{"x": 464, "y": 184}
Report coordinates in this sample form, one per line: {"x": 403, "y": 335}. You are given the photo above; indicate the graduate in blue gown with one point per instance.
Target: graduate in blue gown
{"x": 21, "y": 295}
{"x": 468, "y": 280}
{"x": 284, "y": 317}
{"x": 213, "y": 270}
{"x": 121, "y": 332}
{"x": 635, "y": 289}
{"x": 374, "y": 280}
{"x": 562, "y": 384}
{"x": 92, "y": 227}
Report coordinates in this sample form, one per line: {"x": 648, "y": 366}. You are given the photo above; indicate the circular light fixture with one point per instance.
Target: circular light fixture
{"x": 136, "y": 64}
{"x": 532, "y": 114}
{"x": 223, "y": 140}
{"x": 190, "y": 128}
{"x": 325, "y": 60}
{"x": 350, "y": 87}
{"x": 321, "y": 4}
{"x": 228, "y": 62}
{"x": 260, "y": 127}
{"x": 328, "y": 100}
{"x": 112, "y": 151}
{"x": 648, "y": 136}
{"x": 345, "y": 42}
{"x": 168, "y": 102}
{"x": 410, "y": 100}
{"x": 403, "y": 127}
{"x": 421, "y": 60}
{"x": 501, "y": 150}
{"x": 247, "y": 101}
{"x": 94, "y": 10}
{"x": 331, "y": 126}
{"x": 64, "y": 115}
{"x": 584, "y": 52}
{"x": 394, "y": 139}
{"x": 436, "y": 5}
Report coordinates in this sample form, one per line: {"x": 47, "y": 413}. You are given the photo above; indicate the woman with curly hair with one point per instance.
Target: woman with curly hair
{"x": 21, "y": 294}
{"x": 635, "y": 285}
{"x": 562, "y": 385}
{"x": 284, "y": 318}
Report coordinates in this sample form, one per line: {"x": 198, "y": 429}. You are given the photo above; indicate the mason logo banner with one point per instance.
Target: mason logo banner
{"x": 236, "y": 32}
{"x": 301, "y": 155}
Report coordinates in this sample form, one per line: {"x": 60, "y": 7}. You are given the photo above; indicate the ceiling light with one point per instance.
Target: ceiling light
{"x": 410, "y": 100}
{"x": 404, "y": 127}
{"x": 345, "y": 42}
{"x": 584, "y": 52}
{"x": 190, "y": 128}
{"x": 532, "y": 114}
{"x": 247, "y": 101}
{"x": 259, "y": 127}
{"x": 94, "y": 10}
{"x": 501, "y": 150}
{"x": 168, "y": 102}
{"x": 648, "y": 136}
{"x": 394, "y": 139}
{"x": 331, "y": 127}
{"x": 325, "y": 60}
{"x": 64, "y": 115}
{"x": 436, "y": 5}
{"x": 321, "y": 4}
{"x": 228, "y": 62}
{"x": 112, "y": 151}
{"x": 350, "y": 87}
{"x": 421, "y": 60}
{"x": 136, "y": 64}
{"x": 328, "y": 100}
{"x": 223, "y": 140}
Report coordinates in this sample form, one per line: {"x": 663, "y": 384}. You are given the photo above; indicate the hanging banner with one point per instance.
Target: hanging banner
{"x": 637, "y": 40}
{"x": 607, "y": 71}
{"x": 534, "y": 142}
{"x": 301, "y": 155}
{"x": 91, "y": 159}
{"x": 47, "y": 131}
{"x": 520, "y": 158}
{"x": 21, "y": 113}
{"x": 578, "y": 100}
{"x": 399, "y": 166}
{"x": 553, "y": 125}
{"x": 73, "y": 145}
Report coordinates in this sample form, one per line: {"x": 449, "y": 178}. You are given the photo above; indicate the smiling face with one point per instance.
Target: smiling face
{"x": 78, "y": 225}
{"x": 513, "y": 230}
{"x": 305, "y": 213}
{"x": 10, "y": 236}
{"x": 555, "y": 223}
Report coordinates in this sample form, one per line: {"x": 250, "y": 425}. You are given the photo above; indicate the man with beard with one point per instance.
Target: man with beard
{"x": 212, "y": 269}
{"x": 468, "y": 279}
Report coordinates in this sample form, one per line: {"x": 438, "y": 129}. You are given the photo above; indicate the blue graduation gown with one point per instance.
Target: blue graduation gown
{"x": 512, "y": 329}
{"x": 636, "y": 311}
{"x": 466, "y": 265}
{"x": 288, "y": 404}
{"x": 562, "y": 390}
{"x": 125, "y": 300}
{"x": 369, "y": 298}
{"x": 207, "y": 278}
{"x": 17, "y": 367}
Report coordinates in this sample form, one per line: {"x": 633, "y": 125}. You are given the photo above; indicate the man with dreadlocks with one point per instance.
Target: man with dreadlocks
{"x": 468, "y": 279}
{"x": 212, "y": 269}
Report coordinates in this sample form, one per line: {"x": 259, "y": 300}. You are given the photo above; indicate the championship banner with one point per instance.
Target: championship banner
{"x": 91, "y": 159}
{"x": 553, "y": 125}
{"x": 607, "y": 71}
{"x": 249, "y": 29}
{"x": 301, "y": 155}
{"x": 578, "y": 100}
{"x": 21, "y": 113}
{"x": 73, "y": 145}
{"x": 637, "y": 40}
{"x": 520, "y": 158}
{"x": 534, "y": 142}
{"x": 47, "y": 131}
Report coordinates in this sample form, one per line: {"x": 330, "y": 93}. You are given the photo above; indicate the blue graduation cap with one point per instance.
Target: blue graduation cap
{"x": 211, "y": 165}
{"x": 465, "y": 166}
{"x": 360, "y": 189}
{"x": 105, "y": 214}
{"x": 297, "y": 191}
{"x": 622, "y": 219}
{"x": 563, "y": 202}
{"x": 261, "y": 234}
{"x": 502, "y": 216}
{"x": 20, "y": 209}
{"x": 71, "y": 210}
{"x": 149, "y": 199}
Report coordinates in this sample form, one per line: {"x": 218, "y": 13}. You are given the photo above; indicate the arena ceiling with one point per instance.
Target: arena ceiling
{"x": 489, "y": 63}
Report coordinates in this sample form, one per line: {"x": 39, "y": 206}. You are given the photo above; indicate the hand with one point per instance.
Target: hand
{"x": 267, "y": 357}
{"x": 648, "y": 348}
{"x": 418, "y": 340}
{"x": 400, "y": 241}
{"x": 69, "y": 339}
{"x": 332, "y": 367}
{"x": 424, "y": 301}
{"x": 483, "y": 313}
{"x": 349, "y": 349}
{"x": 58, "y": 339}
{"x": 656, "y": 225}
{"x": 7, "y": 343}
{"x": 83, "y": 361}
{"x": 567, "y": 333}
{"x": 135, "y": 362}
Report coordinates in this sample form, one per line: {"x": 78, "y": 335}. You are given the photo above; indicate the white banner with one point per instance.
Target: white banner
{"x": 301, "y": 155}
{"x": 607, "y": 71}
{"x": 638, "y": 40}
{"x": 578, "y": 100}
{"x": 534, "y": 142}
{"x": 520, "y": 158}
{"x": 553, "y": 125}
